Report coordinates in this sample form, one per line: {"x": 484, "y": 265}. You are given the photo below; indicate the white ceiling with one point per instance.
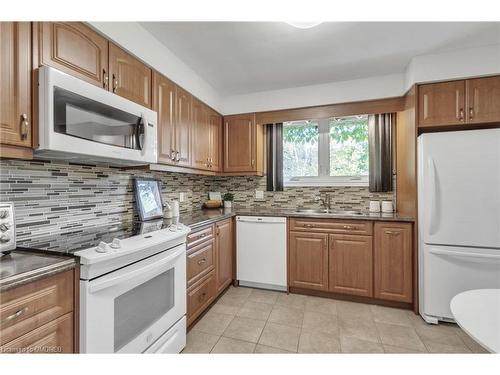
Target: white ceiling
{"x": 245, "y": 57}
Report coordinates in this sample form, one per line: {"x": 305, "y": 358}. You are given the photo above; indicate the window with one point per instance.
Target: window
{"x": 326, "y": 152}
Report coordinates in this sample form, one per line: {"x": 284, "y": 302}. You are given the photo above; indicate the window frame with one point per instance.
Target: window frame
{"x": 324, "y": 178}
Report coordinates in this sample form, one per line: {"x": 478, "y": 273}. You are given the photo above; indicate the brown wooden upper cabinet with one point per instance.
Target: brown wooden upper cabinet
{"x": 183, "y": 127}
{"x": 15, "y": 84}
{"x": 129, "y": 77}
{"x": 393, "y": 261}
{"x": 164, "y": 104}
{"x": 201, "y": 136}
{"x": 243, "y": 144}
{"x": 74, "y": 48}
{"x": 483, "y": 100}
{"x": 351, "y": 264}
{"x": 215, "y": 141}
{"x": 308, "y": 260}
{"x": 224, "y": 254}
{"x": 469, "y": 101}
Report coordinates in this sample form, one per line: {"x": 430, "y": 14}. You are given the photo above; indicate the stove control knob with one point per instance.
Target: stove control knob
{"x": 4, "y": 214}
{"x": 4, "y": 227}
{"x": 4, "y": 238}
{"x": 103, "y": 247}
{"x": 116, "y": 244}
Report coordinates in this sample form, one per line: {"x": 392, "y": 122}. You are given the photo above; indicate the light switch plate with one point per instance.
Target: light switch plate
{"x": 259, "y": 194}
{"x": 181, "y": 197}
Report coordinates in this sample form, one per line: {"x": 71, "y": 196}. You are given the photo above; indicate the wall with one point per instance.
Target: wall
{"x": 54, "y": 197}
{"x": 51, "y": 197}
{"x": 343, "y": 198}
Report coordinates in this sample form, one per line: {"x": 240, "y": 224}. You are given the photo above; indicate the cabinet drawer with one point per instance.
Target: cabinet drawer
{"x": 199, "y": 236}
{"x": 53, "y": 337}
{"x": 199, "y": 296}
{"x": 200, "y": 260}
{"x": 332, "y": 226}
{"x": 32, "y": 305}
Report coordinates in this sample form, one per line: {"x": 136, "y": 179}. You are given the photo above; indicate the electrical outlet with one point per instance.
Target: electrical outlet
{"x": 181, "y": 197}
{"x": 259, "y": 194}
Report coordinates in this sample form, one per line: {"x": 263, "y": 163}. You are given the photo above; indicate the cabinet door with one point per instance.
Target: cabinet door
{"x": 308, "y": 260}
{"x": 393, "y": 261}
{"x": 224, "y": 254}
{"x": 215, "y": 141}
{"x": 74, "y": 48}
{"x": 164, "y": 104}
{"x": 183, "y": 127}
{"x": 350, "y": 264}
{"x": 441, "y": 104}
{"x": 239, "y": 143}
{"x": 15, "y": 83}
{"x": 53, "y": 337}
{"x": 130, "y": 78}
{"x": 201, "y": 136}
{"x": 483, "y": 100}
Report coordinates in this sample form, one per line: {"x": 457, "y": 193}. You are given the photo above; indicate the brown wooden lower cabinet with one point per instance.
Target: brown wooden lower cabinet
{"x": 224, "y": 253}
{"x": 351, "y": 264}
{"x": 38, "y": 317}
{"x": 331, "y": 256}
{"x": 200, "y": 296}
{"x": 308, "y": 260}
{"x": 393, "y": 261}
{"x": 210, "y": 259}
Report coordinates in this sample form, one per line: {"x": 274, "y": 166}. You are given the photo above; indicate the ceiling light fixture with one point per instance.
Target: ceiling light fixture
{"x": 304, "y": 25}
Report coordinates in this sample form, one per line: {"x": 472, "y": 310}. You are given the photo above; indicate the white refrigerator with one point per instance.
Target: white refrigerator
{"x": 458, "y": 217}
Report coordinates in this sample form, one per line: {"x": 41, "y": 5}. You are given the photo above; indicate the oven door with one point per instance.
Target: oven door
{"x": 128, "y": 310}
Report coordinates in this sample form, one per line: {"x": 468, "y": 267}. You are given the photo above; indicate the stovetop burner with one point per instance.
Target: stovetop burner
{"x": 87, "y": 237}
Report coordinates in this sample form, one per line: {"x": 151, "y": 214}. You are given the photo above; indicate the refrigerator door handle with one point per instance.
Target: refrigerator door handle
{"x": 434, "y": 197}
{"x": 464, "y": 255}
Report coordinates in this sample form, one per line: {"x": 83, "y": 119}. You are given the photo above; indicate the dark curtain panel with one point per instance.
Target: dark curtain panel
{"x": 380, "y": 151}
{"x": 274, "y": 140}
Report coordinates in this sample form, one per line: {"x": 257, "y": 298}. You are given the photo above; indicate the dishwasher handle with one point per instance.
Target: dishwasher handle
{"x": 261, "y": 219}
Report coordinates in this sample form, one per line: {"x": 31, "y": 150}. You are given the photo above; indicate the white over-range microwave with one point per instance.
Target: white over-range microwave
{"x": 81, "y": 122}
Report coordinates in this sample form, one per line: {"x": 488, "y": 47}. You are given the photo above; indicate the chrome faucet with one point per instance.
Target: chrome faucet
{"x": 326, "y": 201}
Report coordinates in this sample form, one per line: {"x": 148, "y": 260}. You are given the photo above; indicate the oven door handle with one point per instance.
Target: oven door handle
{"x": 153, "y": 269}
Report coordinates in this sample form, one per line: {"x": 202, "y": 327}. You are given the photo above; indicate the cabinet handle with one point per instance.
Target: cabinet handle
{"x": 17, "y": 314}
{"x": 178, "y": 156}
{"x": 253, "y": 162}
{"x": 115, "y": 83}
{"x": 172, "y": 155}
{"x": 309, "y": 225}
{"x": 201, "y": 261}
{"x": 461, "y": 114}
{"x": 471, "y": 113}
{"x": 349, "y": 227}
{"x": 390, "y": 232}
{"x": 24, "y": 126}
{"x": 105, "y": 79}
{"x": 202, "y": 235}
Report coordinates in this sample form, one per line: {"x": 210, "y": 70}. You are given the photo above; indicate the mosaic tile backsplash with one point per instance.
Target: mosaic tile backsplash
{"x": 54, "y": 197}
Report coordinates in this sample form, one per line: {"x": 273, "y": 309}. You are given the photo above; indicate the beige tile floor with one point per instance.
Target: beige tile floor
{"x": 246, "y": 320}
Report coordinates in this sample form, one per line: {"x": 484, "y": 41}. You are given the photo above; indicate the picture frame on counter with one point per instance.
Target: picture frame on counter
{"x": 148, "y": 198}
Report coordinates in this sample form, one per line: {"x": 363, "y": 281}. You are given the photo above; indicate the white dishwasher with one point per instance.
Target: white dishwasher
{"x": 261, "y": 252}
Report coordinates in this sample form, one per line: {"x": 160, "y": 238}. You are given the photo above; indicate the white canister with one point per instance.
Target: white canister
{"x": 175, "y": 208}
{"x": 387, "y": 206}
{"x": 374, "y": 206}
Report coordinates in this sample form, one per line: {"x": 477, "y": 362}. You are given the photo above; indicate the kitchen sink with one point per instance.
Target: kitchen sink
{"x": 327, "y": 212}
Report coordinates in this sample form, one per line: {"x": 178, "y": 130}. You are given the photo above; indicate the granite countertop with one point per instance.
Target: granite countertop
{"x": 21, "y": 267}
{"x": 199, "y": 218}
